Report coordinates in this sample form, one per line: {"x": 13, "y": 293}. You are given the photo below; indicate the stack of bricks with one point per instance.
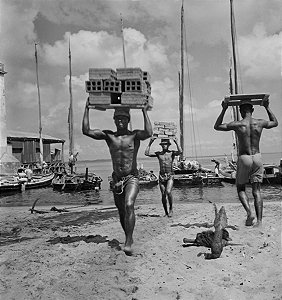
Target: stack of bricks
{"x": 164, "y": 130}
{"x": 103, "y": 87}
{"x": 128, "y": 87}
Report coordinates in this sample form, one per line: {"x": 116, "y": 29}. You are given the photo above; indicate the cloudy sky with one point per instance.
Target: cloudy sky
{"x": 152, "y": 42}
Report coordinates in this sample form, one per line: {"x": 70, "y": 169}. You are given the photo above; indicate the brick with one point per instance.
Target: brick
{"x": 129, "y": 73}
{"x": 113, "y": 86}
{"x": 94, "y": 86}
{"x": 138, "y": 86}
{"x": 102, "y": 73}
{"x": 99, "y": 98}
{"x": 136, "y": 99}
{"x": 146, "y": 76}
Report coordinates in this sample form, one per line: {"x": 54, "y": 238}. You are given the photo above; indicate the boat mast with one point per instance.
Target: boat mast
{"x": 39, "y": 109}
{"x": 124, "y": 59}
{"x": 234, "y": 137}
{"x": 70, "y": 117}
{"x": 235, "y": 91}
{"x": 181, "y": 81}
{"x": 123, "y": 47}
{"x": 233, "y": 36}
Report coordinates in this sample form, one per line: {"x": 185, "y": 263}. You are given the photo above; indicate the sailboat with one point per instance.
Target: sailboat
{"x": 71, "y": 181}
{"x": 189, "y": 172}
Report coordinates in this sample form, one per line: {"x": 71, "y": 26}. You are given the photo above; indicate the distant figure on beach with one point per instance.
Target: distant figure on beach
{"x": 28, "y": 173}
{"x": 123, "y": 145}
{"x": 166, "y": 175}
{"x": 249, "y": 163}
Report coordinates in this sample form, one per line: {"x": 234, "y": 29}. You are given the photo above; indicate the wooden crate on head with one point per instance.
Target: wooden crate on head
{"x": 239, "y": 99}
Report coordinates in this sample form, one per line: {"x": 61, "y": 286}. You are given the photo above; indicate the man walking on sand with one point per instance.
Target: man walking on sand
{"x": 249, "y": 163}
{"x": 123, "y": 145}
{"x": 166, "y": 158}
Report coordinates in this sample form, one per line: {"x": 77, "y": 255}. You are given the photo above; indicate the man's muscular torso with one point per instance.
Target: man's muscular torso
{"x": 165, "y": 161}
{"x": 123, "y": 149}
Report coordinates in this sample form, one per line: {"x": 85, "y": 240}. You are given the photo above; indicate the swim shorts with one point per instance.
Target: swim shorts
{"x": 164, "y": 178}
{"x": 120, "y": 184}
{"x": 249, "y": 168}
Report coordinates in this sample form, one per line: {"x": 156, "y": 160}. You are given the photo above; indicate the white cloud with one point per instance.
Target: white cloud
{"x": 260, "y": 55}
{"x": 17, "y": 29}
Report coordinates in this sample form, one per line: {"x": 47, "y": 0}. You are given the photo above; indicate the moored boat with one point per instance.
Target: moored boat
{"x": 272, "y": 174}
{"x": 76, "y": 182}
{"x": 17, "y": 184}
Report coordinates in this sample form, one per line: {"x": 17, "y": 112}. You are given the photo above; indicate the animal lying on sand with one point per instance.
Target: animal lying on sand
{"x": 215, "y": 240}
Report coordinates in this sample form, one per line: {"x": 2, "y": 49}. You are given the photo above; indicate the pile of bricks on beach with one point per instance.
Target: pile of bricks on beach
{"x": 164, "y": 130}
{"x": 128, "y": 87}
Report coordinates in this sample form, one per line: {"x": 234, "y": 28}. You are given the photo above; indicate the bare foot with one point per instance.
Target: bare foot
{"x": 249, "y": 221}
{"x": 258, "y": 224}
{"x": 170, "y": 214}
{"x": 128, "y": 250}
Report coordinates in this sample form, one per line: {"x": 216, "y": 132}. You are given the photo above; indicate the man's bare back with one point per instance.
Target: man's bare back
{"x": 249, "y": 132}
{"x": 249, "y": 164}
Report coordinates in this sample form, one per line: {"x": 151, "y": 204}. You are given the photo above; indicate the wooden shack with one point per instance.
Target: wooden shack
{"x": 25, "y": 147}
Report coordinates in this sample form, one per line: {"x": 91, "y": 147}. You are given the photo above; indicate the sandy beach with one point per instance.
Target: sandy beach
{"x": 76, "y": 255}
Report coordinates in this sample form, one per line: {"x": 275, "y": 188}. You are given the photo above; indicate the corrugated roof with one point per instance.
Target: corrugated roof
{"x": 14, "y": 134}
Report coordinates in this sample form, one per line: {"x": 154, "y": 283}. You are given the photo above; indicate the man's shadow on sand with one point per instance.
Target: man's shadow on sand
{"x": 97, "y": 239}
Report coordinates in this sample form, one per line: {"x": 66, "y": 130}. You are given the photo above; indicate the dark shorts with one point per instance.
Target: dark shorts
{"x": 249, "y": 168}
{"x": 120, "y": 185}
{"x": 164, "y": 178}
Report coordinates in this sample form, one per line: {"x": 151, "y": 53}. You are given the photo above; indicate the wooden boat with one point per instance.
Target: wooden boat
{"x": 272, "y": 174}
{"x": 76, "y": 182}
{"x": 148, "y": 180}
{"x": 198, "y": 178}
{"x": 227, "y": 172}
{"x": 16, "y": 184}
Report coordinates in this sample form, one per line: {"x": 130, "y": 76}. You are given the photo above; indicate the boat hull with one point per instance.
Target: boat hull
{"x": 71, "y": 183}
{"x": 197, "y": 180}
{"x": 35, "y": 183}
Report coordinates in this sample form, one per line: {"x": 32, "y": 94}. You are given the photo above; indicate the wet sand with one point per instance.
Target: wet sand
{"x": 77, "y": 255}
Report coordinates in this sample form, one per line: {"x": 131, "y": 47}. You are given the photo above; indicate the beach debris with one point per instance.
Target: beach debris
{"x": 33, "y": 210}
{"x": 58, "y": 209}
{"x": 215, "y": 240}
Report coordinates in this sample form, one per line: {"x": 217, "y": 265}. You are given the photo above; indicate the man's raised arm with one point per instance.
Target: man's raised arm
{"x": 179, "y": 150}
{"x": 148, "y": 131}
{"x": 147, "y": 151}
{"x": 218, "y": 124}
{"x": 272, "y": 119}
{"x": 96, "y": 134}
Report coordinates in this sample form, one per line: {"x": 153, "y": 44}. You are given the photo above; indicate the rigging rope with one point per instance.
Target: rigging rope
{"x": 193, "y": 138}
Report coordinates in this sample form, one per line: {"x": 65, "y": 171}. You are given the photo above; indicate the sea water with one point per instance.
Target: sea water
{"x": 218, "y": 194}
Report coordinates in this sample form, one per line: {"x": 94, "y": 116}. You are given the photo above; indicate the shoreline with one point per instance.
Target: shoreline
{"x": 76, "y": 255}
